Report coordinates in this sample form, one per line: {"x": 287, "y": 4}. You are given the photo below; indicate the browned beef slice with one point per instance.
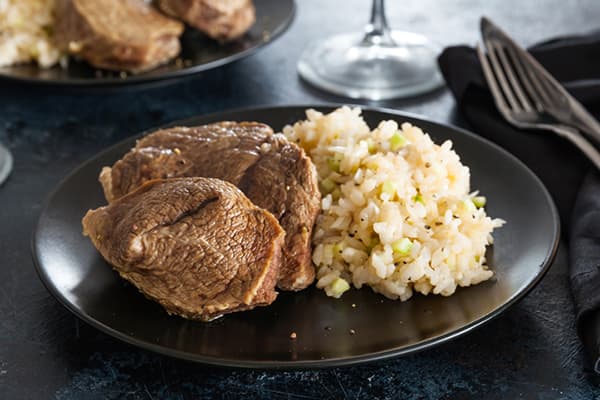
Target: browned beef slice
{"x": 117, "y": 34}
{"x": 197, "y": 246}
{"x": 274, "y": 173}
{"x": 220, "y": 19}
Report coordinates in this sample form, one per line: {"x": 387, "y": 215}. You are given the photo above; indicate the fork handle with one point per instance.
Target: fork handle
{"x": 585, "y": 121}
{"x": 581, "y": 142}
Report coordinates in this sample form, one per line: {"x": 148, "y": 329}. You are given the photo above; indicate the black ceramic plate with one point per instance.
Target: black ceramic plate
{"x": 76, "y": 274}
{"x": 198, "y": 53}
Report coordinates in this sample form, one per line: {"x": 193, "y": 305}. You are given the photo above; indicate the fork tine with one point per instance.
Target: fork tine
{"x": 500, "y": 75}
{"x": 522, "y": 74}
{"x": 535, "y": 87}
{"x": 491, "y": 80}
{"x": 510, "y": 74}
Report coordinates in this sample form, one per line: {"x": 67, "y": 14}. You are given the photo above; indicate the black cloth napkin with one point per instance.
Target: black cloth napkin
{"x": 569, "y": 176}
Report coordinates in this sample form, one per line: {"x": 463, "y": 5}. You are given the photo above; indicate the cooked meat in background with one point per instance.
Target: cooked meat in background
{"x": 197, "y": 246}
{"x": 120, "y": 35}
{"x": 274, "y": 173}
{"x": 223, "y": 20}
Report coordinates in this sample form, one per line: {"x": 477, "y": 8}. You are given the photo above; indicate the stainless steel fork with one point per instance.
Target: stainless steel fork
{"x": 518, "y": 94}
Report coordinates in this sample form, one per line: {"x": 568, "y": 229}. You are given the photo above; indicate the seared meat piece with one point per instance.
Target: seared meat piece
{"x": 125, "y": 35}
{"x": 220, "y": 19}
{"x": 274, "y": 173}
{"x": 197, "y": 246}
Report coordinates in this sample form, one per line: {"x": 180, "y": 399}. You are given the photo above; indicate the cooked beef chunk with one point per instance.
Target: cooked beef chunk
{"x": 197, "y": 246}
{"x": 274, "y": 173}
{"x": 220, "y": 19}
{"x": 127, "y": 35}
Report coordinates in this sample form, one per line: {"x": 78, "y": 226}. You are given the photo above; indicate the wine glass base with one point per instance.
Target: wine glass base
{"x": 342, "y": 65}
{"x": 6, "y": 163}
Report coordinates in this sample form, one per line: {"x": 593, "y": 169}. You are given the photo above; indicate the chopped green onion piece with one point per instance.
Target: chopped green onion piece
{"x": 336, "y": 194}
{"x": 402, "y": 246}
{"x": 419, "y": 199}
{"x": 479, "y": 201}
{"x": 339, "y": 286}
{"x": 371, "y": 146}
{"x": 333, "y": 164}
{"x": 338, "y": 248}
{"x": 374, "y": 242}
{"x": 327, "y": 185}
{"x": 397, "y": 141}
{"x": 389, "y": 188}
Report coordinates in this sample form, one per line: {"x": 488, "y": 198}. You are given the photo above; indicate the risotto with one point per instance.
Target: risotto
{"x": 26, "y": 32}
{"x": 397, "y": 212}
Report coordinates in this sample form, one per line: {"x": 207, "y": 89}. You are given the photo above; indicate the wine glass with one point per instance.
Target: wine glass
{"x": 376, "y": 65}
{"x": 6, "y": 163}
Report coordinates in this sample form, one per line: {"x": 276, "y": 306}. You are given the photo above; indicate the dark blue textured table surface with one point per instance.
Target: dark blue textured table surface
{"x": 531, "y": 351}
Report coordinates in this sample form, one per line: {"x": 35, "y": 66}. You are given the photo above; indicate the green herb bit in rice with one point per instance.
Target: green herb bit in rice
{"x": 397, "y": 211}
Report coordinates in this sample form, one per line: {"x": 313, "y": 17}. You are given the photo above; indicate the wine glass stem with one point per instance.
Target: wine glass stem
{"x": 377, "y": 32}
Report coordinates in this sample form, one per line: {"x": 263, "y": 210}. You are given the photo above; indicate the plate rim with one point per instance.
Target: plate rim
{"x": 171, "y": 76}
{"x": 301, "y": 364}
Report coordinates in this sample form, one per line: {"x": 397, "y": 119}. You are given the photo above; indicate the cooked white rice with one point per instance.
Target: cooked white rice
{"x": 26, "y": 32}
{"x": 397, "y": 213}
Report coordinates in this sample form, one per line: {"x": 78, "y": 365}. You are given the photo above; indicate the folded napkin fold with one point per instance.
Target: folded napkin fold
{"x": 568, "y": 175}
